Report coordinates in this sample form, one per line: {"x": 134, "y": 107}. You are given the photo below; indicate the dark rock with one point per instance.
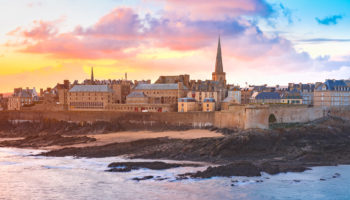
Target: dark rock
{"x": 270, "y": 168}
{"x": 128, "y": 166}
{"x": 142, "y": 178}
{"x": 322, "y": 179}
{"x": 45, "y": 140}
{"x": 234, "y": 169}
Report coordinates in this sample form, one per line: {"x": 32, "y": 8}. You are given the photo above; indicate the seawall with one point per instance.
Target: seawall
{"x": 240, "y": 117}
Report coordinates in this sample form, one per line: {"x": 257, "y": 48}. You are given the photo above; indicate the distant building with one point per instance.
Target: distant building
{"x": 187, "y": 105}
{"x": 266, "y": 97}
{"x": 49, "y": 96}
{"x": 234, "y": 97}
{"x": 137, "y": 98}
{"x": 89, "y": 97}
{"x": 62, "y": 91}
{"x": 292, "y": 97}
{"x": 22, "y": 98}
{"x": 306, "y": 90}
{"x": 332, "y": 93}
{"x": 139, "y": 102}
{"x": 162, "y": 93}
{"x": 185, "y": 79}
{"x": 246, "y": 94}
{"x": 208, "y": 105}
{"x": 121, "y": 89}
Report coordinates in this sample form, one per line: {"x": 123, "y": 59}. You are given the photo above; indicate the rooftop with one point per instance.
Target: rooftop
{"x": 209, "y": 100}
{"x": 169, "y": 86}
{"x": 136, "y": 95}
{"x": 187, "y": 99}
{"x": 268, "y": 95}
{"x": 91, "y": 88}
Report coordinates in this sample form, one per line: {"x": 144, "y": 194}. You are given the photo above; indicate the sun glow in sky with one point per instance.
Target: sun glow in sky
{"x": 263, "y": 41}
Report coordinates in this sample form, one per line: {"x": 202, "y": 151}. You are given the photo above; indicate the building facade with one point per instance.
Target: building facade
{"x": 22, "y": 98}
{"x": 89, "y": 97}
{"x": 332, "y": 93}
{"x": 208, "y": 105}
{"x": 162, "y": 93}
{"x": 188, "y": 105}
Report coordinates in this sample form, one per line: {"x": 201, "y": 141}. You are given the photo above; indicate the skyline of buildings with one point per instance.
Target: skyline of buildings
{"x": 174, "y": 94}
{"x": 266, "y": 41}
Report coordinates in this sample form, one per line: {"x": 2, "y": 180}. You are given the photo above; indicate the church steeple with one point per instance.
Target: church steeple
{"x": 92, "y": 75}
{"x": 219, "y": 74}
{"x": 218, "y": 63}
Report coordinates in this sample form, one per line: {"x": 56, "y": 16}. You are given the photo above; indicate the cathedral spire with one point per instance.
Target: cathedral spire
{"x": 218, "y": 65}
{"x": 219, "y": 74}
{"x": 92, "y": 74}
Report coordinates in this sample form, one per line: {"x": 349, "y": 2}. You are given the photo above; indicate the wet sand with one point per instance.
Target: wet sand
{"x": 129, "y": 136}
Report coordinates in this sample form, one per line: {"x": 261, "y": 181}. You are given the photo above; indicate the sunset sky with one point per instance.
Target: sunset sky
{"x": 263, "y": 41}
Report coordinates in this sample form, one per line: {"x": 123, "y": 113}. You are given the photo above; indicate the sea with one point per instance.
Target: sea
{"x": 23, "y": 175}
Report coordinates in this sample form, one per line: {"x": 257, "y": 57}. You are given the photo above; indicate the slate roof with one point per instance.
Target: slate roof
{"x": 27, "y": 93}
{"x": 187, "y": 99}
{"x": 136, "y": 95}
{"x": 168, "y": 86}
{"x": 334, "y": 84}
{"x": 331, "y": 84}
{"x": 268, "y": 95}
{"x": 209, "y": 100}
{"x": 91, "y": 88}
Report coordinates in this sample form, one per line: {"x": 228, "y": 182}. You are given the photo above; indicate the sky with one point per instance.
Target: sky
{"x": 263, "y": 41}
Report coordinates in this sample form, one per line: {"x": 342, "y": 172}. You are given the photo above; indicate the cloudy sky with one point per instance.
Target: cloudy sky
{"x": 263, "y": 41}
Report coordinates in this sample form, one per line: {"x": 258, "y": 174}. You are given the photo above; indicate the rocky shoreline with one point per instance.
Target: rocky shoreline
{"x": 240, "y": 153}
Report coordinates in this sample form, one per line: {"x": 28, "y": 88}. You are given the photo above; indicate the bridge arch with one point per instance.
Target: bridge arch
{"x": 272, "y": 119}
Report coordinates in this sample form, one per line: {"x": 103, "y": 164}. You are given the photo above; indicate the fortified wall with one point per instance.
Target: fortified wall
{"x": 240, "y": 117}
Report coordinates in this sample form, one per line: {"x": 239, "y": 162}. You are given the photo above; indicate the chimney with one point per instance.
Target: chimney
{"x": 180, "y": 85}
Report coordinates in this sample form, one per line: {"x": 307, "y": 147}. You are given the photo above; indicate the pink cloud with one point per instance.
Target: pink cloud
{"x": 120, "y": 23}
{"x": 40, "y": 30}
{"x": 122, "y": 29}
{"x": 220, "y": 9}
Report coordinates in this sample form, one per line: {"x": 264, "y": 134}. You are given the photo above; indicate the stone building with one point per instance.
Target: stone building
{"x": 188, "y": 104}
{"x": 121, "y": 89}
{"x": 332, "y": 93}
{"x": 162, "y": 93}
{"x": 306, "y": 90}
{"x": 137, "y": 98}
{"x": 62, "y": 91}
{"x": 246, "y": 94}
{"x": 234, "y": 97}
{"x": 292, "y": 97}
{"x": 89, "y": 97}
{"x": 3, "y": 102}
{"x": 208, "y": 105}
{"x": 139, "y": 102}
{"x": 22, "y": 98}
{"x": 185, "y": 79}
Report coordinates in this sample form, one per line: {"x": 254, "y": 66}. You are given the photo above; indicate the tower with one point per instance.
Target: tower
{"x": 219, "y": 74}
{"x": 92, "y": 75}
